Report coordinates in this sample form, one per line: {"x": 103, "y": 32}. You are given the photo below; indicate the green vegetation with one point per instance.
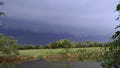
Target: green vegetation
{"x": 112, "y": 56}
{"x": 64, "y": 49}
{"x": 8, "y": 46}
{"x": 63, "y": 44}
{"x": 39, "y": 52}
{"x": 60, "y": 53}
{"x": 61, "y": 48}
{"x": 26, "y": 47}
{"x": 8, "y": 65}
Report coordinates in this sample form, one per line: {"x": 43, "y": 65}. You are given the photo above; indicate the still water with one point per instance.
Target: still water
{"x": 54, "y": 64}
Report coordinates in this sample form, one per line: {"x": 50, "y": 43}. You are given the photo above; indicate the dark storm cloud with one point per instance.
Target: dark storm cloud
{"x": 75, "y": 17}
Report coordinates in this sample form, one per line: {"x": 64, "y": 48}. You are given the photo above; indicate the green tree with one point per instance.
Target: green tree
{"x": 112, "y": 56}
{"x": 1, "y": 13}
{"x": 38, "y": 47}
{"x": 8, "y": 46}
{"x": 61, "y": 44}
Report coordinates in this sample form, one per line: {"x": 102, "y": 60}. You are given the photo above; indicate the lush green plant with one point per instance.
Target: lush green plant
{"x": 26, "y": 46}
{"x": 112, "y": 56}
{"x": 96, "y": 55}
{"x": 89, "y": 44}
{"x": 38, "y": 47}
{"x": 8, "y": 65}
{"x": 61, "y": 44}
{"x": 8, "y": 45}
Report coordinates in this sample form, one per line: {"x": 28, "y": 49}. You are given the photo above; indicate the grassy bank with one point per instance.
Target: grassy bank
{"x": 91, "y": 53}
{"x": 42, "y": 52}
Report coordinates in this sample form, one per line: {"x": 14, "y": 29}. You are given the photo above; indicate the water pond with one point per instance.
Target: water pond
{"x": 52, "y": 64}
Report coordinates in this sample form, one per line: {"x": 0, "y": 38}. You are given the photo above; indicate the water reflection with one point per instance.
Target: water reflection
{"x": 8, "y": 65}
{"x": 52, "y": 64}
{"x": 67, "y": 64}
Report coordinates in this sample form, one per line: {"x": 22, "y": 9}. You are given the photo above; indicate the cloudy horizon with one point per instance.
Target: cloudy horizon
{"x": 78, "y": 18}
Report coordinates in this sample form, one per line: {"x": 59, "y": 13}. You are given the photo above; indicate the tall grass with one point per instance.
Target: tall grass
{"x": 91, "y": 53}
{"x": 41, "y": 52}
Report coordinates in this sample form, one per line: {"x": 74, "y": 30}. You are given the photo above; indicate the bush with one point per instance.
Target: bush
{"x": 8, "y": 45}
{"x": 61, "y": 44}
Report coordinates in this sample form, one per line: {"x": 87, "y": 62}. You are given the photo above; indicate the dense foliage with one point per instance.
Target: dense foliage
{"x": 26, "y": 46}
{"x": 62, "y": 44}
{"x": 112, "y": 56}
{"x": 8, "y": 45}
{"x": 90, "y": 44}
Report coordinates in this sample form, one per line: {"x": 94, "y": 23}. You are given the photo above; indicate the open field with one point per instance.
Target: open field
{"x": 90, "y": 53}
{"x": 41, "y": 52}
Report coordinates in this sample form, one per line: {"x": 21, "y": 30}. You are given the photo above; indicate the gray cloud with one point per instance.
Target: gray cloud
{"x": 76, "y": 17}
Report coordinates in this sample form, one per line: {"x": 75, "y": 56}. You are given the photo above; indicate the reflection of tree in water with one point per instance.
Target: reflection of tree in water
{"x": 67, "y": 59}
{"x": 67, "y": 63}
{"x": 8, "y": 65}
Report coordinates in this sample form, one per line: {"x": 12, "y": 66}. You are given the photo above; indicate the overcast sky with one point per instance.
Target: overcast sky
{"x": 75, "y": 17}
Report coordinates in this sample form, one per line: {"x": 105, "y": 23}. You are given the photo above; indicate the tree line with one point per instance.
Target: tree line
{"x": 6, "y": 41}
{"x": 62, "y": 44}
